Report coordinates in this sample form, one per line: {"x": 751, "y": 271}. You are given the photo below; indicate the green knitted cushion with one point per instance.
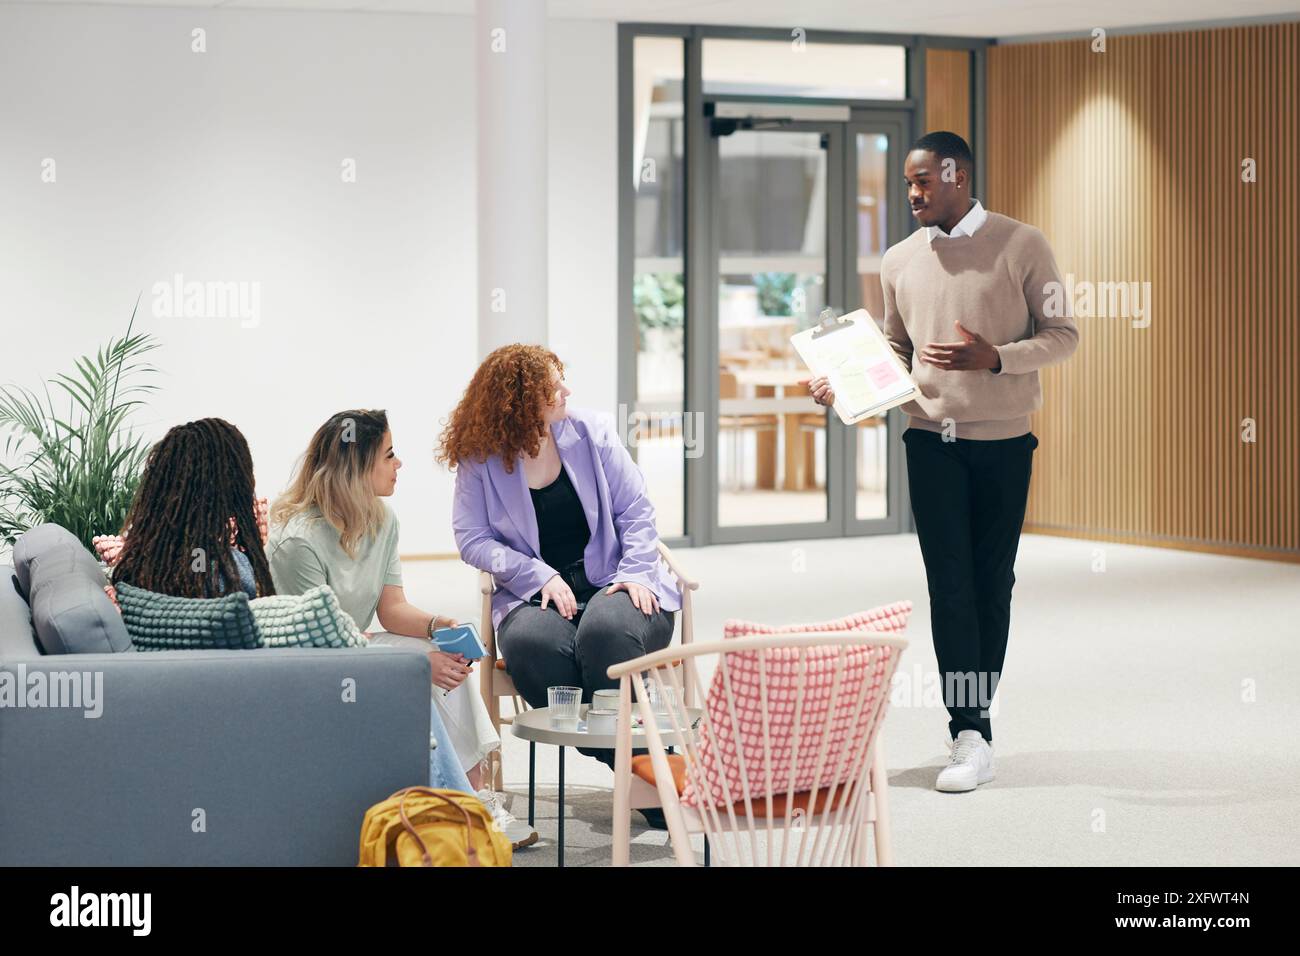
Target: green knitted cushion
{"x": 310, "y": 619}
{"x": 161, "y": 622}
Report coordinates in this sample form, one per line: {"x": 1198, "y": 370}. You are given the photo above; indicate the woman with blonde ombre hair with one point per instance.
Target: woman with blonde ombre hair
{"x": 335, "y": 479}
{"x": 330, "y": 527}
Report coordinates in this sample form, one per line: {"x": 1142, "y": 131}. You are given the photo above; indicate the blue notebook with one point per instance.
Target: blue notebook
{"x": 462, "y": 639}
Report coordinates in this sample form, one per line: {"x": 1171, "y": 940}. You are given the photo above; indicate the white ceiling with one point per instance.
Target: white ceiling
{"x": 987, "y": 18}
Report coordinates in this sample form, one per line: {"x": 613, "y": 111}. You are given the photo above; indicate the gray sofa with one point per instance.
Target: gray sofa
{"x": 249, "y": 757}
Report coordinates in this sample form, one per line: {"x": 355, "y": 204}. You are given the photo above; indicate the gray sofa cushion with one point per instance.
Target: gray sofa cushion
{"x": 162, "y": 622}
{"x": 64, "y": 587}
{"x": 17, "y": 637}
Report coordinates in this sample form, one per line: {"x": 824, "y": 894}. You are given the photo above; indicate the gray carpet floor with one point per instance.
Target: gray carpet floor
{"x": 1144, "y": 715}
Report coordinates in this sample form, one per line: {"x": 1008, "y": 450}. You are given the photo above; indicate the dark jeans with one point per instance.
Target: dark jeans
{"x": 968, "y": 498}
{"x": 544, "y": 649}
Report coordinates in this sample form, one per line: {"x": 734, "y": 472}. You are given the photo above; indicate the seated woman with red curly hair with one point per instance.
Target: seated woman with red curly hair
{"x": 550, "y": 502}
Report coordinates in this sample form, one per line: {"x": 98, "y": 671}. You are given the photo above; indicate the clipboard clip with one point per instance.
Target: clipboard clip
{"x": 830, "y": 323}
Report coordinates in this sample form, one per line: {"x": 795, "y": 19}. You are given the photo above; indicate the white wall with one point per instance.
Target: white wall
{"x": 583, "y": 107}
{"x": 226, "y": 166}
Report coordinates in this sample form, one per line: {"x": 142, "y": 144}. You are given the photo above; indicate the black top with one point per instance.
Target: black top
{"x": 562, "y": 529}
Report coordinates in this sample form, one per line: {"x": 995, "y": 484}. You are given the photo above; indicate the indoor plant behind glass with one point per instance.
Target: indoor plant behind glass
{"x": 658, "y": 298}
{"x": 70, "y": 456}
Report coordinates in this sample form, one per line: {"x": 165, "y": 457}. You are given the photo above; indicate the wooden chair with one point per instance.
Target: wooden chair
{"x": 495, "y": 683}
{"x": 784, "y": 765}
{"x": 809, "y": 424}
{"x": 762, "y": 424}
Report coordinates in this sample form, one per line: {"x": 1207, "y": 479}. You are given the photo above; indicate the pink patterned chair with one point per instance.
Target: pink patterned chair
{"x": 784, "y": 765}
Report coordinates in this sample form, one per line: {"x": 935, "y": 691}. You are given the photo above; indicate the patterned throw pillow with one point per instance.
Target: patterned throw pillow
{"x": 842, "y": 721}
{"x": 310, "y": 619}
{"x": 161, "y": 622}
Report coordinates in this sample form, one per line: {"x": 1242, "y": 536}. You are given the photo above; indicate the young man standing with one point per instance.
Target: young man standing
{"x": 966, "y": 311}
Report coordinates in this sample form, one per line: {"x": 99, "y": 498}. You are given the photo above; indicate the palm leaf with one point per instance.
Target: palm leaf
{"x": 79, "y": 468}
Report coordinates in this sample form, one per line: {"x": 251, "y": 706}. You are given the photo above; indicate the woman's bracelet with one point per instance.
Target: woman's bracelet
{"x": 435, "y": 625}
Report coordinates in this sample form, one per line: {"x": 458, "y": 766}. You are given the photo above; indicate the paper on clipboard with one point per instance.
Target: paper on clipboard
{"x": 863, "y": 371}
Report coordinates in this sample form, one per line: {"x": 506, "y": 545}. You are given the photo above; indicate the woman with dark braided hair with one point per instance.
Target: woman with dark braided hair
{"x": 193, "y": 524}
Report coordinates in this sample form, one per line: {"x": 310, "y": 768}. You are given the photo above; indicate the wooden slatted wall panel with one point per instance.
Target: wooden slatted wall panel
{"x": 947, "y": 92}
{"x": 1130, "y": 162}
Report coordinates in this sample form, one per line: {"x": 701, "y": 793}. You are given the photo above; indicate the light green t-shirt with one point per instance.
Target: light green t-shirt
{"x": 305, "y": 553}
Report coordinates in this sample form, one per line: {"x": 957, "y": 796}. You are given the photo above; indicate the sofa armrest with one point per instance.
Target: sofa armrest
{"x": 266, "y": 757}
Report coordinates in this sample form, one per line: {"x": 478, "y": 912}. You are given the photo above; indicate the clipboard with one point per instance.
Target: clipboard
{"x": 854, "y": 355}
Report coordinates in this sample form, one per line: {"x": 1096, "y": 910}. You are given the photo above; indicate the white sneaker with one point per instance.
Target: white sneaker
{"x": 970, "y": 765}
{"x": 519, "y": 834}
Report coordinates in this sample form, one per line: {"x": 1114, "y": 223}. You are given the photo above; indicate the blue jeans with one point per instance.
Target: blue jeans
{"x": 445, "y": 771}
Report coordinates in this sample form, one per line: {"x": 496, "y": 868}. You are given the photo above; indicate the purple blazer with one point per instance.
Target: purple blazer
{"x": 496, "y": 526}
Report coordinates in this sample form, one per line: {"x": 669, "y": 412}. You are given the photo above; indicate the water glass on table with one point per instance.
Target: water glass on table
{"x": 666, "y": 704}
{"x": 564, "y": 704}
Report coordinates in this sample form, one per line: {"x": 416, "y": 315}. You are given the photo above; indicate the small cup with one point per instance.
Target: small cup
{"x": 601, "y": 721}
{"x": 605, "y": 700}
{"x": 564, "y": 704}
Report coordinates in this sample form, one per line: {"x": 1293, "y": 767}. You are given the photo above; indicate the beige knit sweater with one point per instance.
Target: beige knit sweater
{"x": 997, "y": 283}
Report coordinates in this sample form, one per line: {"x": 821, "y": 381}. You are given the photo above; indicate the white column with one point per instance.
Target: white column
{"x": 512, "y": 176}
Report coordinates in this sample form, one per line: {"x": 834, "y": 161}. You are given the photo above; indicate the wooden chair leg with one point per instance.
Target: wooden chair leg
{"x": 622, "y": 820}
{"x": 493, "y": 704}
{"x": 688, "y": 636}
{"x": 880, "y": 791}
{"x": 496, "y": 774}
{"x": 487, "y": 677}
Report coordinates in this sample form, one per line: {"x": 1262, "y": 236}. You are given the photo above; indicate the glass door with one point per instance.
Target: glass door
{"x": 878, "y": 219}
{"x": 802, "y": 214}
{"x": 775, "y": 248}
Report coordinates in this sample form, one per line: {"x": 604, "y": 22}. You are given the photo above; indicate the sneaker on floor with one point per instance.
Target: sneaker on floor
{"x": 519, "y": 834}
{"x": 970, "y": 764}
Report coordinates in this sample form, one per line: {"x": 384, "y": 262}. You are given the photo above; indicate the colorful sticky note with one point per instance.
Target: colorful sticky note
{"x": 882, "y": 374}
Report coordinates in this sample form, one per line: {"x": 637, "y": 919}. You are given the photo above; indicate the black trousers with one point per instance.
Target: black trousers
{"x": 968, "y": 498}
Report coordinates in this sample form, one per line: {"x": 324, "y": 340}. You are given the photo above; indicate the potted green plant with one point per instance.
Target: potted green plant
{"x": 70, "y": 455}
{"x": 659, "y": 302}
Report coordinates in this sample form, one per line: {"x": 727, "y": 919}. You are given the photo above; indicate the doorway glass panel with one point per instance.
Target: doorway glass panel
{"x": 772, "y": 282}
{"x": 852, "y": 71}
{"x": 658, "y": 282}
{"x": 872, "y": 211}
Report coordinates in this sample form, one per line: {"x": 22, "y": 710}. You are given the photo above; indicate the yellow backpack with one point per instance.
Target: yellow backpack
{"x": 418, "y": 826}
